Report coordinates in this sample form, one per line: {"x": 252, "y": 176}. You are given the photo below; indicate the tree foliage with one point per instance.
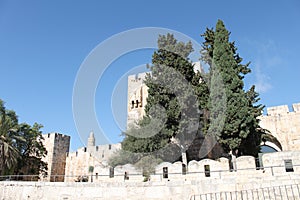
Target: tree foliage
{"x": 241, "y": 130}
{"x": 122, "y": 157}
{"x": 31, "y": 149}
{"x": 21, "y": 147}
{"x": 172, "y": 109}
{"x": 8, "y": 137}
{"x": 220, "y": 105}
{"x": 147, "y": 164}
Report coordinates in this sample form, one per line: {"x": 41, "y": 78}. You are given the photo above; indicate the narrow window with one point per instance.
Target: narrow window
{"x": 109, "y": 146}
{"x": 132, "y": 104}
{"x": 137, "y": 103}
{"x": 96, "y": 176}
{"x": 288, "y": 165}
{"x": 84, "y": 149}
{"x": 97, "y": 148}
{"x": 207, "y": 170}
{"x": 165, "y": 172}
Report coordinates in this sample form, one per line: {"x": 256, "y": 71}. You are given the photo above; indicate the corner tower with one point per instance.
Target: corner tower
{"x": 57, "y": 146}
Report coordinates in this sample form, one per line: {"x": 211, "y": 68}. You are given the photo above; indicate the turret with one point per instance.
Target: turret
{"x": 91, "y": 140}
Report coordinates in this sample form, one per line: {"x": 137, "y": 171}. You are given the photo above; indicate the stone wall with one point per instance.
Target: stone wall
{"x": 89, "y": 160}
{"x": 176, "y": 185}
{"x": 172, "y": 190}
{"x": 273, "y": 163}
{"x": 284, "y": 125}
{"x": 57, "y": 146}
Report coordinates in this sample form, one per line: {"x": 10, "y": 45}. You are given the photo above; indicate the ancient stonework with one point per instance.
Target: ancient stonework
{"x": 137, "y": 95}
{"x": 90, "y": 160}
{"x": 284, "y": 125}
{"x": 57, "y": 146}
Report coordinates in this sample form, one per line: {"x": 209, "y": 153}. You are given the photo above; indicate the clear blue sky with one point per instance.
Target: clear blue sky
{"x": 43, "y": 44}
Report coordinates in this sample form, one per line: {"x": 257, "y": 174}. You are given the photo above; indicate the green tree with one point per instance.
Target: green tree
{"x": 32, "y": 150}
{"x": 241, "y": 130}
{"x": 172, "y": 109}
{"x": 8, "y": 137}
{"x": 21, "y": 147}
{"x": 251, "y": 145}
{"x": 147, "y": 165}
{"x": 122, "y": 157}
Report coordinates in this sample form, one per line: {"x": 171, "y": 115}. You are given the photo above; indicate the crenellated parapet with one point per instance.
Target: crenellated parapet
{"x": 283, "y": 110}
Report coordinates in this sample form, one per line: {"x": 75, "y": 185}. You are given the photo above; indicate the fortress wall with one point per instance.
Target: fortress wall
{"x": 79, "y": 162}
{"x": 273, "y": 163}
{"x": 179, "y": 189}
{"x": 284, "y": 125}
{"x": 277, "y": 161}
{"x": 175, "y": 186}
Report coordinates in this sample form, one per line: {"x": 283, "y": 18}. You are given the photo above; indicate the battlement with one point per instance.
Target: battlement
{"x": 283, "y": 110}
{"x": 56, "y": 136}
{"x": 99, "y": 151}
{"x": 140, "y": 77}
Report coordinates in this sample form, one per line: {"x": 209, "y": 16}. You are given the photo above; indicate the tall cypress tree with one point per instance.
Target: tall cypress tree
{"x": 241, "y": 130}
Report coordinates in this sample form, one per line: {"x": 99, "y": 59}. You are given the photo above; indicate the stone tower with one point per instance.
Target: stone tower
{"x": 137, "y": 95}
{"x": 91, "y": 140}
{"x": 57, "y": 146}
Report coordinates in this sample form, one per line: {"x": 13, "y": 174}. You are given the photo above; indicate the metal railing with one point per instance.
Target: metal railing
{"x": 284, "y": 192}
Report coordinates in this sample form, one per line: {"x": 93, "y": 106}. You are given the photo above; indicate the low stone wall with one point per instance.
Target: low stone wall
{"x": 176, "y": 189}
{"x": 175, "y": 186}
{"x": 273, "y": 163}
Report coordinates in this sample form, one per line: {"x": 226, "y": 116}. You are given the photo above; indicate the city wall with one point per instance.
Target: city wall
{"x": 92, "y": 159}
{"x": 174, "y": 190}
{"x": 273, "y": 177}
{"x": 284, "y": 125}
